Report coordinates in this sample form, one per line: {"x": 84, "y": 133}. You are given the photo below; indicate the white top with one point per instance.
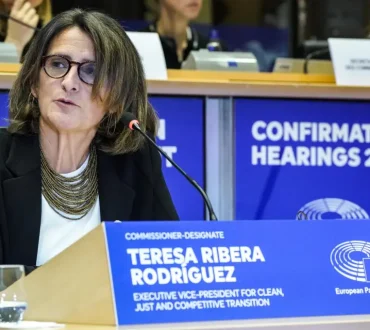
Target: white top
{"x": 58, "y": 233}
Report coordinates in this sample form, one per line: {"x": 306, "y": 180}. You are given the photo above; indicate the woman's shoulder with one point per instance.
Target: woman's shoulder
{"x": 145, "y": 153}
{"x": 146, "y": 159}
{"x": 20, "y": 140}
{"x": 5, "y": 141}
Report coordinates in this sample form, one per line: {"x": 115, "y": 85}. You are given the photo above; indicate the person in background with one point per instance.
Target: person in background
{"x": 177, "y": 37}
{"x": 35, "y": 13}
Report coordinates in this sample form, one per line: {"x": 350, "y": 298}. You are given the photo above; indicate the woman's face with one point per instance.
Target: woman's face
{"x": 9, "y": 3}
{"x": 66, "y": 104}
{"x": 187, "y": 8}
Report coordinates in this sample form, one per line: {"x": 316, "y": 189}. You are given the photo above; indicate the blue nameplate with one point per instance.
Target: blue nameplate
{"x": 207, "y": 271}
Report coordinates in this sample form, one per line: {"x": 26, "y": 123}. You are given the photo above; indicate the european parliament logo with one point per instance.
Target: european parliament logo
{"x": 351, "y": 259}
{"x": 333, "y": 208}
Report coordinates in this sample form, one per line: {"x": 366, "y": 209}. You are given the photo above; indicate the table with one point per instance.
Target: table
{"x": 321, "y": 323}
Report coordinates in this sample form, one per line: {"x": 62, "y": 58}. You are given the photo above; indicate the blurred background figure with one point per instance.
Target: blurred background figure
{"x": 177, "y": 37}
{"x": 35, "y": 13}
{"x": 263, "y": 27}
{"x": 269, "y": 29}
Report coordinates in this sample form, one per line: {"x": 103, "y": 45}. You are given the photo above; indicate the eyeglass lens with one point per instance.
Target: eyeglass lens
{"x": 57, "y": 67}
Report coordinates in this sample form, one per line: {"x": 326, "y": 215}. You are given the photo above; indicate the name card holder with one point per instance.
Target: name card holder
{"x": 351, "y": 61}
{"x": 199, "y": 273}
{"x": 150, "y": 50}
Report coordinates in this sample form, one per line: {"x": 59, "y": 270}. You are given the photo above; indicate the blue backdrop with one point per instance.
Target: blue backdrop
{"x": 182, "y": 135}
{"x": 182, "y": 131}
{"x": 3, "y": 108}
{"x": 305, "y": 155}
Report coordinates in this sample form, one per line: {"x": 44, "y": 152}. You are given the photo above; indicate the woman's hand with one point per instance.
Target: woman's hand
{"x": 19, "y": 34}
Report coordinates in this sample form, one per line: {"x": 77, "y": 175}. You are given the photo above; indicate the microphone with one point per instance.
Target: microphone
{"x": 7, "y": 16}
{"x": 311, "y": 56}
{"x": 132, "y": 123}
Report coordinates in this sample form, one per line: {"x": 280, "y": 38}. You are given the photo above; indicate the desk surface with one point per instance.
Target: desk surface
{"x": 235, "y": 84}
{"x": 319, "y": 323}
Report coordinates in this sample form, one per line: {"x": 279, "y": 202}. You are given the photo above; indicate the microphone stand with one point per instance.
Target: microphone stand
{"x": 212, "y": 214}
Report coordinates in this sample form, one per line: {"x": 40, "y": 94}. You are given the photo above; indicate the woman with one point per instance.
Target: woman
{"x": 172, "y": 25}
{"x": 34, "y": 13}
{"x": 66, "y": 161}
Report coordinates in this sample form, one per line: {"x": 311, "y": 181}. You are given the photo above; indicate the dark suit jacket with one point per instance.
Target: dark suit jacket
{"x": 131, "y": 187}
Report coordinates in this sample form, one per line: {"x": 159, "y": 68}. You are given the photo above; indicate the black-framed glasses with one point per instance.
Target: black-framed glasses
{"x": 57, "y": 66}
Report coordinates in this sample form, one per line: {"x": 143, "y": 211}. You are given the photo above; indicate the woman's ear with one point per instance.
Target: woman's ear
{"x": 34, "y": 92}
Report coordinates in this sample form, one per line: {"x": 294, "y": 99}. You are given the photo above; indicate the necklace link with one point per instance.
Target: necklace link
{"x": 74, "y": 196}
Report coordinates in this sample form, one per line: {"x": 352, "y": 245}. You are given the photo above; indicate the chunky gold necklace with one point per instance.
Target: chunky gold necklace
{"x": 75, "y": 195}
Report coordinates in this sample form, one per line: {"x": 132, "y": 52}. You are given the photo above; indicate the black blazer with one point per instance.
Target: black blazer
{"x": 131, "y": 187}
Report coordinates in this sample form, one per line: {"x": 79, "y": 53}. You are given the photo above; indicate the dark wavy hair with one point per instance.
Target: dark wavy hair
{"x": 119, "y": 68}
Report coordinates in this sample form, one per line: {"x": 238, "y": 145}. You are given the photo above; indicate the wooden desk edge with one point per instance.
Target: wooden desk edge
{"x": 10, "y": 67}
{"x": 230, "y": 76}
{"x": 234, "y": 84}
{"x": 346, "y": 322}
{"x": 257, "y": 89}
{"x": 225, "y": 76}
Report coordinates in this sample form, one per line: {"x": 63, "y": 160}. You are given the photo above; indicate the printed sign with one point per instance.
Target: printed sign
{"x": 351, "y": 61}
{"x": 302, "y": 155}
{"x": 208, "y": 271}
{"x": 149, "y": 47}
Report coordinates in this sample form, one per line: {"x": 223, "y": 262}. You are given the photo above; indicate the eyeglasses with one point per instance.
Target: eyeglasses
{"x": 57, "y": 66}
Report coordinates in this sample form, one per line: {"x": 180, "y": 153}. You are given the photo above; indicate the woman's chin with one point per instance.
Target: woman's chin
{"x": 72, "y": 121}
{"x": 65, "y": 124}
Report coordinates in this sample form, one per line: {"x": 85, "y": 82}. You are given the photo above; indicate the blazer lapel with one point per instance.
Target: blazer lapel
{"x": 22, "y": 197}
{"x": 116, "y": 194}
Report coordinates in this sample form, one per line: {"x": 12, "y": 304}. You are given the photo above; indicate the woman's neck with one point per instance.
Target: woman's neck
{"x": 65, "y": 152}
{"x": 175, "y": 26}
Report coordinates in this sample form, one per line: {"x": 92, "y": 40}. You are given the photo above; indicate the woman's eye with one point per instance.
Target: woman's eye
{"x": 58, "y": 64}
